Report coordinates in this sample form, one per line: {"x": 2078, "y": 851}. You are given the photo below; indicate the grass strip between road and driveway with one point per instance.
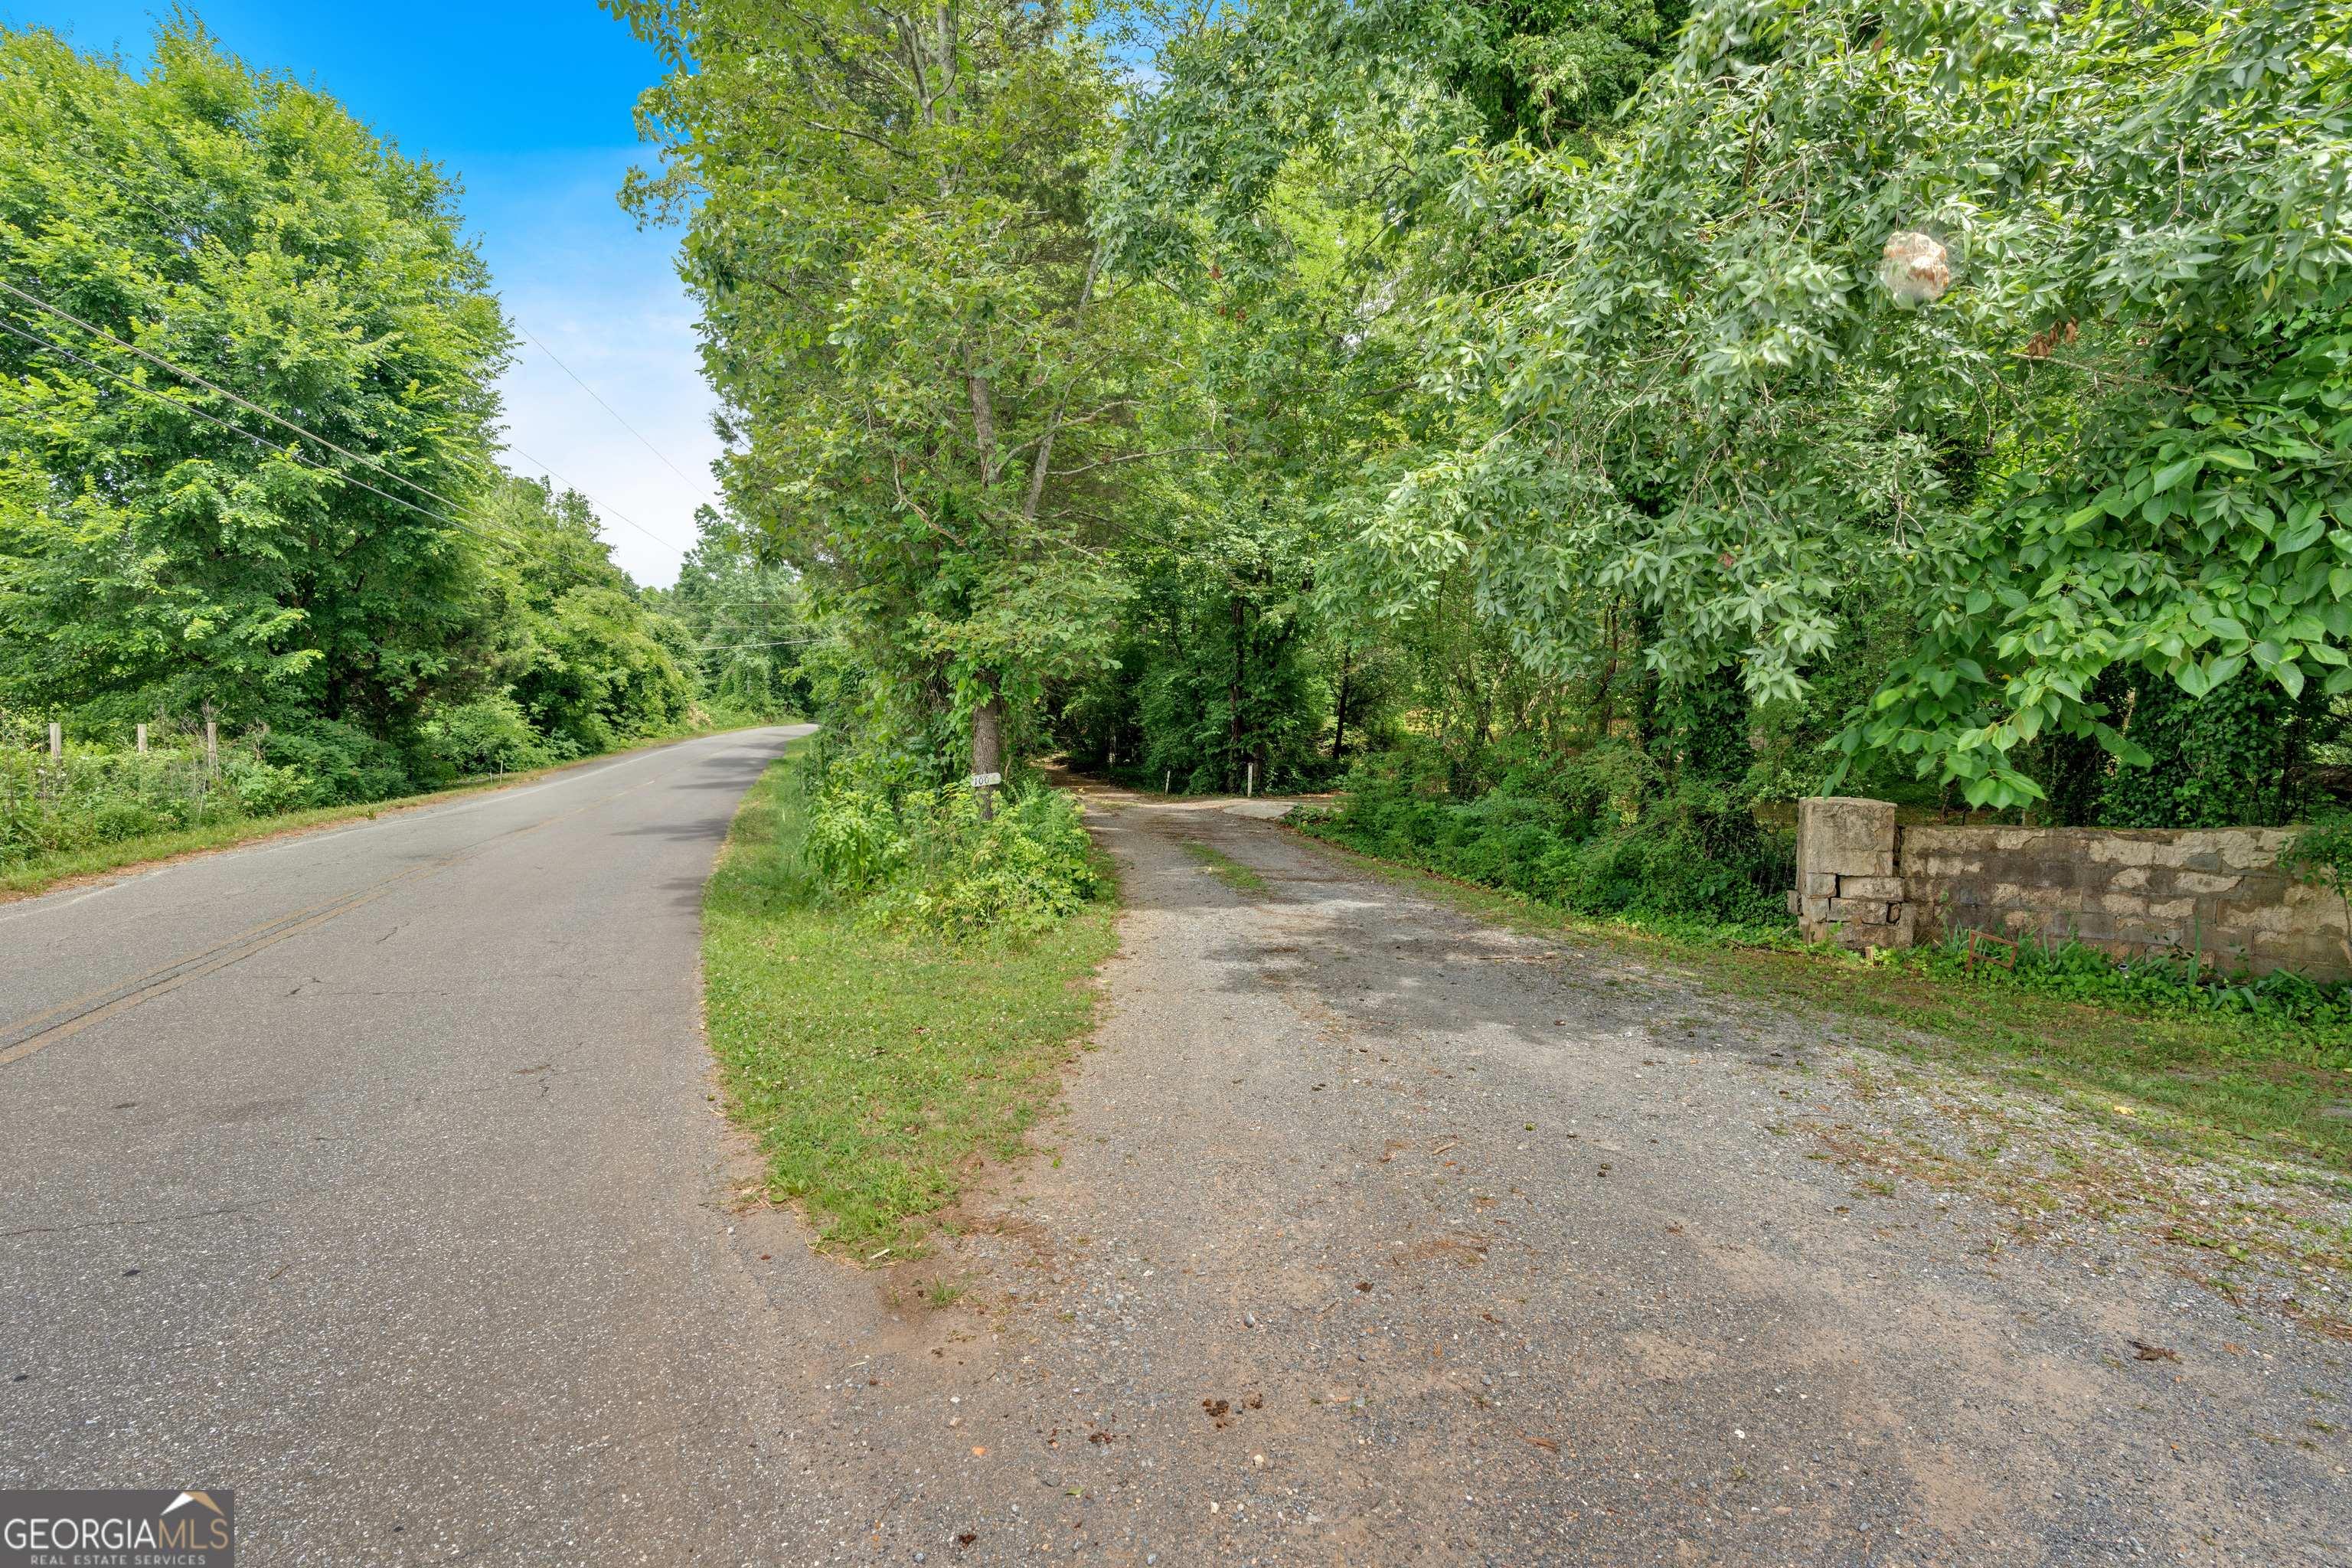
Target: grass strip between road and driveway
{"x": 880, "y": 1071}
{"x": 2220, "y": 1085}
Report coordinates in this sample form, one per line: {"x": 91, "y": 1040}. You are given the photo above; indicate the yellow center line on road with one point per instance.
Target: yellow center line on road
{"x": 96, "y": 1006}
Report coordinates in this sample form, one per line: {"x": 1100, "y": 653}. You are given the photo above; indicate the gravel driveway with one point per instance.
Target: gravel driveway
{"x": 1377, "y": 1235}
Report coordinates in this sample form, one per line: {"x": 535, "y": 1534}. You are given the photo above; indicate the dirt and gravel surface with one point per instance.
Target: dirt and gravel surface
{"x": 1379, "y": 1234}
{"x": 378, "y": 1175}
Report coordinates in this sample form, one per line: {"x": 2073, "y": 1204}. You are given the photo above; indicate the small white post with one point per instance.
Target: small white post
{"x": 142, "y": 739}
{"x": 1167, "y": 785}
{"x": 212, "y": 746}
{"x": 1249, "y": 784}
{"x": 56, "y": 742}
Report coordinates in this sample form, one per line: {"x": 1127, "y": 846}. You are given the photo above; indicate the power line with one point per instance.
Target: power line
{"x": 293, "y": 453}
{"x": 608, "y": 408}
{"x": 109, "y": 172}
{"x": 222, "y": 391}
{"x": 611, "y": 510}
{"x": 739, "y": 646}
{"x": 398, "y": 479}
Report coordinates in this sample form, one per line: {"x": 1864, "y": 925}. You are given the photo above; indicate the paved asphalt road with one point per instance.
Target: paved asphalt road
{"x": 1375, "y": 1236}
{"x": 365, "y": 1172}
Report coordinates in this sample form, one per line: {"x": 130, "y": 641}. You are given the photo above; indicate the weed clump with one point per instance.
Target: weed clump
{"x": 925, "y": 860}
{"x": 878, "y": 1067}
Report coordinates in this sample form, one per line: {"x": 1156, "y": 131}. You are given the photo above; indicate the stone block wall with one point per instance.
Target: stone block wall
{"x": 1847, "y": 886}
{"x": 2130, "y": 892}
{"x": 1864, "y": 882}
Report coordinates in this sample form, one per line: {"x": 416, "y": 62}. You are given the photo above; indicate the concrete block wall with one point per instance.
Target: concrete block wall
{"x": 2131, "y": 892}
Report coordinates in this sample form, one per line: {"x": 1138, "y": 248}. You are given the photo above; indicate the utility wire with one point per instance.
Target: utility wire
{"x": 609, "y": 510}
{"x": 97, "y": 167}
{"x": 232, "y": 397}
{"x": 398, "y": 479}
{"x": 294, "y": 453}
{"x": 608, "y": 408}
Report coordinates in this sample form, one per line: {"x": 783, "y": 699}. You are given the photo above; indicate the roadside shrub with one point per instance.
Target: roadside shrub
{"x": 342, "y": 763}
{"x": 489, "y": 734}
{"x": 852, "y": 842}
{"x": 1585, "y": 833}
{"x": 120, "y": 819}
{"x": 265, "y": 789}
{"x": 99, "y": 795}
{"x": 2169, "y": 986}
{"x": 928, "y": 862}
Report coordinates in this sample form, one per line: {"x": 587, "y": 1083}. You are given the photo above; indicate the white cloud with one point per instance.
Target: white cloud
{"x": 573, "y": 271}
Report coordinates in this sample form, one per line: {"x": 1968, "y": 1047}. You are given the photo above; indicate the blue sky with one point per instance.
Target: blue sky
{"x": 528, "y": 102}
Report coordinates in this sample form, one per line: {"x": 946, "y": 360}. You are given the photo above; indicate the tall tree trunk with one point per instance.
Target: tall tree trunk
{"x": 1339, "y": 735}
{"x": 1046, "y": 447}
{"x": 983, "y": 424}
{"x": 988, "y": 749}
{"x": 1233, "y": 704}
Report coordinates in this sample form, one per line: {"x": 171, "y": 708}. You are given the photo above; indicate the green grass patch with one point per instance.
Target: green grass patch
{"x": 2222, "y": 1083}
{"x": 1226, "y": 868}
{"x": 882, "y": 1073}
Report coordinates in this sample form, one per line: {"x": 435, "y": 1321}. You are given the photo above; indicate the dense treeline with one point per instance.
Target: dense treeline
{"x": 1577, "y": 425}
{"x": 248, "y": 469}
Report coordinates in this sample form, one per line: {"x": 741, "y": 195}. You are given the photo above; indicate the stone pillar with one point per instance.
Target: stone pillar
{"x": 1849, "y": 886}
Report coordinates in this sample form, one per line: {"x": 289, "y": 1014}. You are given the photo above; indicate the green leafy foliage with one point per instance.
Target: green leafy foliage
{"x": 2289, "y": 1017}
{"x": 247, "y": 426}
{"x": 745, "y": 634}
{"x": 2018, "y": 334}
{"x": 488, "y": 734}
{"x": 932, "y": 387}
{"x": 1024, "y": 871}
{"x": 94, "y": 797}
{"x": 924, "y": 859}
{"x": 1589, "y": 833}
{"x": 152, "y": 557}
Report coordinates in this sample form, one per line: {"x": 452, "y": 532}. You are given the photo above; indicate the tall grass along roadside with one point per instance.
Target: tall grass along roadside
{"x": 893, "y": 988}
{"x": 102, "y": 805}
{"x": 1686, "y": 871}
{"x": 1580, "y": 834}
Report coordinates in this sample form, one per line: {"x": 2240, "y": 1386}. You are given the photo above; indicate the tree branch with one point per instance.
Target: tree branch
{"x": 862, "y": 136}
{"x": 1133, "y": 457}
{"x": 1046, "y": 447}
